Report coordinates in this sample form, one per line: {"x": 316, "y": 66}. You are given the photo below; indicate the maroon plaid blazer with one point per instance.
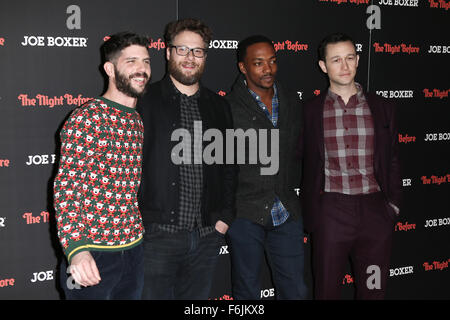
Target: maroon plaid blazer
{"x": 311, "y": 149}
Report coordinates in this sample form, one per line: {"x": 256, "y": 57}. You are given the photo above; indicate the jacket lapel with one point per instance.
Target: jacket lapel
{"x": 378, "y": 120}
{"x": 318, "y": 117}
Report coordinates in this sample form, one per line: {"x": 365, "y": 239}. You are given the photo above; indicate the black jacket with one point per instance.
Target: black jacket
{"x": 256, "y": 193}
{"x": 159, "y": 190}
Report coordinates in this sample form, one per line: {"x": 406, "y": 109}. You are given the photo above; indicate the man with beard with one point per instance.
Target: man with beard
{"x": 186, "y": 205}
{"x": 268, "y": 218}
{"x": 95, "y": 191}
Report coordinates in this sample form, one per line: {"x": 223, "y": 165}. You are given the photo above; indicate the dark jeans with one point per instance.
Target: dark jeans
{"x": 359, "y": 227}
{"x": 122, "y": 274}
{"x": 179, "y": 265}
{"x": 284, "y": 247}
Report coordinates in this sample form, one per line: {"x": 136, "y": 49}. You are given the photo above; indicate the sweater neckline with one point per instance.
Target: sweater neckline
{"x": 116, "y": 105}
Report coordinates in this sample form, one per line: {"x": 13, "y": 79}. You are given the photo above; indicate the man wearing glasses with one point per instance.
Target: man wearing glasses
{"x": 186, "y": 206}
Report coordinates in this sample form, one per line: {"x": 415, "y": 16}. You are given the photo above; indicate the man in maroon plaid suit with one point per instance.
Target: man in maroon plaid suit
{"x": 351, "y": 180}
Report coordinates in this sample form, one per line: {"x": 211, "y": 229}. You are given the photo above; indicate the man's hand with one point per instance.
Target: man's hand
{"x": 84, "y": 269}
{"x": 221, "y": 227}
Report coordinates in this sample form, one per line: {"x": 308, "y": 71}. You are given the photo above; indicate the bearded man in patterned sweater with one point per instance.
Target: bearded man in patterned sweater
{"x": 95, "y": 191}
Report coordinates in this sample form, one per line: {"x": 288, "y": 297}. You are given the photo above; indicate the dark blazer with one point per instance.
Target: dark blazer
{"x": 386, "y": 154}
{"x": 256, "y": 193}
{"x": 159, "y": 191}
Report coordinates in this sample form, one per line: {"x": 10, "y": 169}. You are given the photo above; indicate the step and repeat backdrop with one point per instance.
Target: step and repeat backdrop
{"x": 50, "y": 64}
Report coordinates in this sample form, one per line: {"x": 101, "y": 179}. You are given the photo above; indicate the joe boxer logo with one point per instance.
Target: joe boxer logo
{"x": 438, "y": 222}
{"x": 40, "y": 159}
{"x": 440, "y": 136}
{"x": 288, "y": 45}
{"x": 223, "y": 44}
{"x": 406, "y": 182}
{"x": 395, "y": 48}
{"x": 439, "y": 4}
{"x": 267, "y": 293}
{"x": 401, "y": 271}
{"x": 48, "y": 41}
{"x": 399, "y": 3}
{"x": 396, "y": 94}
{"x": 42, "y": 100}
{"x": 439, "y": 49}
{"x": 42, "y": 276}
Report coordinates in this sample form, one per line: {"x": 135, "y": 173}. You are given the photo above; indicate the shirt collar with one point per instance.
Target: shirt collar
{"x": 258, "y": 98}
{"x": 179, "y": 93}
{"x": 359, "y": 93}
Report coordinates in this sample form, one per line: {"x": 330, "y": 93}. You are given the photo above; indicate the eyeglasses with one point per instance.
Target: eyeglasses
{"x": 184, "y": 51}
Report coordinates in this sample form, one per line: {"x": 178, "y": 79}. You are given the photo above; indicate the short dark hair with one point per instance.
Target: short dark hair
{"x": 247, "y": 42}
{"x": 188, "y": 24}
{"x": 331, "y": 39}
{"x": 112, "y": 47}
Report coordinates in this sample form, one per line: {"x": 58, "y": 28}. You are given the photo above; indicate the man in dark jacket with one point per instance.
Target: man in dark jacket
{"x": 186, "y": 205}
{"x": 268, "y": 209}
{"x": 351, "y": 180}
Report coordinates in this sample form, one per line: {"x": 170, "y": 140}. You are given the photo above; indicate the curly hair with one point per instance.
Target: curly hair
{"x": 189, "y": 24}
{"x": 112, "y": 47}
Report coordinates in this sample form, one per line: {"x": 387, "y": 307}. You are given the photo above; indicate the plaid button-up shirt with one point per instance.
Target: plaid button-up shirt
{"x": 278, "y": 212}
{"x": 191, "y": 175}
{"x": 349, "y": 145}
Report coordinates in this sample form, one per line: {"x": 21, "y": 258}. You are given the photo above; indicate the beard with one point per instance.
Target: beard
{"x": 123, "y": 83}
{"x": 175, "y": 70}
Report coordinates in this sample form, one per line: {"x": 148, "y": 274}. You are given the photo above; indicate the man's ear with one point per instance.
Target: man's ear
{"x": 323, "y": 66}
{"x": 168, "y": 53}
{"x": 109, "y": 69}
{"x": 242, "y": 67}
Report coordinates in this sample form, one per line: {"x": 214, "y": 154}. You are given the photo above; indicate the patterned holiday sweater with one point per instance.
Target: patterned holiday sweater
{"x": 95, "y": 190}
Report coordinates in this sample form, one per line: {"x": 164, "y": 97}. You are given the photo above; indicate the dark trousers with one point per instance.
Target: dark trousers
{"x": 122, "y": 274}
{"x": 284, "y": 247}
{"x": 358, "y": 227}
{"x": 179, "y": 266}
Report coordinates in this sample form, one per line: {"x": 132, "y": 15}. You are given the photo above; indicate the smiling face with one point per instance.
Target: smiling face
{"x": 341, "y": 63}
{"x": 186, "y": 69}
{"x": 131, "y": 71}
{"x": 259, "y": 66}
